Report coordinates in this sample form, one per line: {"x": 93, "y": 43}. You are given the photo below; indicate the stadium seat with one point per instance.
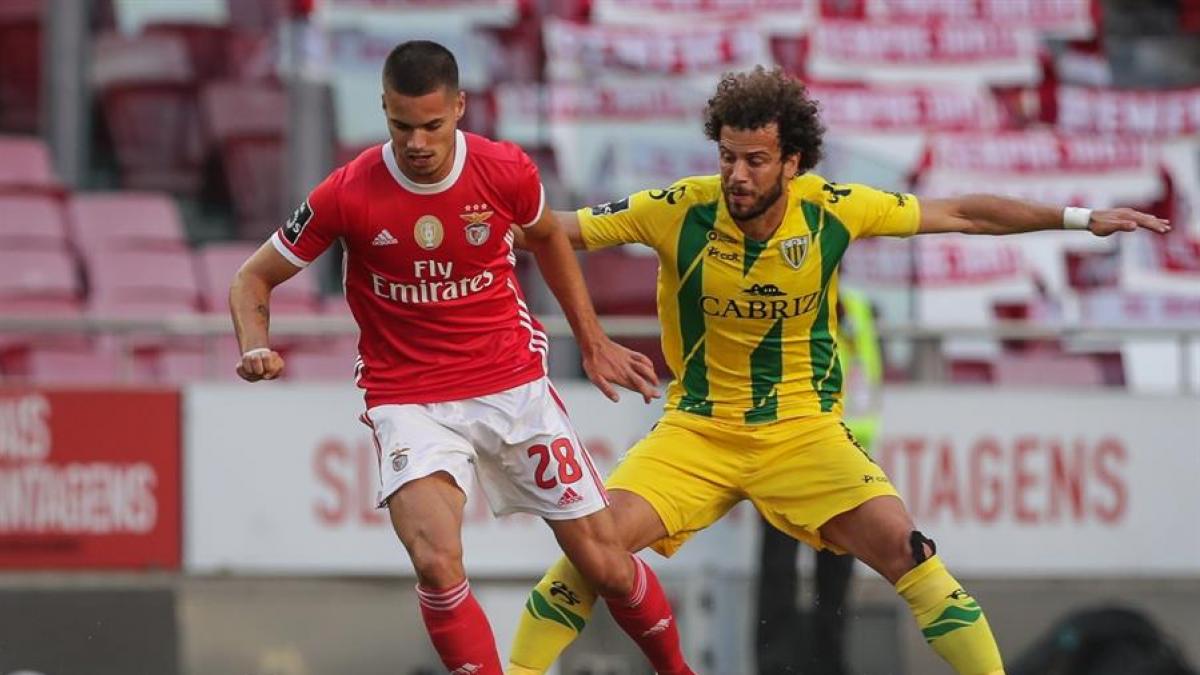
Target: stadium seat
{"x": 217, "y": 264}
{"x": 146, "y": 90}
{"x": 39, "y": 282}
{"x": 333, "y": 360}
{"x": 212, "y": 359}
{"x": 247, "y": 122}
{"x": 65, "y": 366}
{"x": 207, "y": 45}
{"x": 118, "y": 221}
{"x": 623, "y": 283}
{"x": 1058, "y": 370}
{"x": 31, "y": 222}
{"x": 142, "y": 283}
{"x": 25, "y": 166}
{"x": 21, "y": 67}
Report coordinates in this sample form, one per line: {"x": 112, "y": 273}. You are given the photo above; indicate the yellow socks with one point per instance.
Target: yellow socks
{"x": 556, "y": 612}
{"x": 951, "y": 620}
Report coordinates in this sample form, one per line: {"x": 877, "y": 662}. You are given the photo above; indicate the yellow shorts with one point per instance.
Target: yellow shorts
{"x": 798, "y": 474}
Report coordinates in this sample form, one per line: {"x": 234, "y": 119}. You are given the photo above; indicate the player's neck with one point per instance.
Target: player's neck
{"x": 763, "y": 226}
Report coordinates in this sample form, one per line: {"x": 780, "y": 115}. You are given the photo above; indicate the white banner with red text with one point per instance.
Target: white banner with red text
{"x": 772, "y": 16}
{"x": 1010, "y": 483}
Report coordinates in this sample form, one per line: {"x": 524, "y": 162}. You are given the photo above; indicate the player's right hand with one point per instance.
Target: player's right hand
{"x": 260, "y": 364}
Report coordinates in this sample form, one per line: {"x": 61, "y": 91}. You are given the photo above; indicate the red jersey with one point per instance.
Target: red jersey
{"x": 430, "y": 271}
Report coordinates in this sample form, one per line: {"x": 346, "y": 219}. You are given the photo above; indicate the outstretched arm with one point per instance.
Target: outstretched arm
{"x": 992, "y": 214}
{"x": 605, "y": 362}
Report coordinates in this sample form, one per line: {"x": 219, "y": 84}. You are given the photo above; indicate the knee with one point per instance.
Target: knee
{"x": 437, "y": 566}
{"x": 908, "y": 550}
{"x": 610, "y": 573}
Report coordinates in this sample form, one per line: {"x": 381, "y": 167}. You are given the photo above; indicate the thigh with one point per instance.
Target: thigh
{"x": 410, "y": 444}
{"x": 688, "y": 477}
{"x": 812, "y": 471}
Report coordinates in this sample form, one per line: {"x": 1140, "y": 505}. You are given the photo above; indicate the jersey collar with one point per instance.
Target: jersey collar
{"x": 460, "y": 160}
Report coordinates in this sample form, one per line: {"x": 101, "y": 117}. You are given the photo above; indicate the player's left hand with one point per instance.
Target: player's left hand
{"x": 608, "y": 363}
{"x": 1107, "y": 221}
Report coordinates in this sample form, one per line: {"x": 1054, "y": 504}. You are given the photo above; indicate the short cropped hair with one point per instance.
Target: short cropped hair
{"x": 756, "y": 98}
{"x": 420, "y": 67}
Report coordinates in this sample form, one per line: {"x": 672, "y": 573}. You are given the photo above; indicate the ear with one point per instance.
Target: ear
{"x": 461, "y": 105}
{"x": 791, "y": 164}
{"x": 383, "y": 102}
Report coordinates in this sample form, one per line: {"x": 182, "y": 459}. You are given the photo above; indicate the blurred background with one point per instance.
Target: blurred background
{"x": 1041, "y": 394}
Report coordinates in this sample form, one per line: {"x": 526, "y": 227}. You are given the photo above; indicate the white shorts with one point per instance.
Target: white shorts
{"x": 520, "y": 443}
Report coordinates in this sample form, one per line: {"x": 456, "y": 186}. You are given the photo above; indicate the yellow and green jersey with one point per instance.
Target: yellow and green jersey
{"x": 748, "y": 326}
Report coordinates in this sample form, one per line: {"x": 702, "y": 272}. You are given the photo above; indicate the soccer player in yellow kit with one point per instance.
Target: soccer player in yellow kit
{"x": 747, "y": 289}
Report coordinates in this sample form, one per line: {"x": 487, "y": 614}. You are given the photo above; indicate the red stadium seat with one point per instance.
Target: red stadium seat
{"x": 214, "y": 359}
{"x": 39, "y": 282}
{"x": 21, "y": 67}
{"x": 142, "y": 283}
{"x": 332, "y": 361}
{"x": 146, "y": 90}
{"x": 31, "y": 222}
{"x": 207, "y": 45}
{"x": 217, "y": 264}
{"x": 1057, "y": 370}
{"x": 66, "y": 366}
{"x": 247, "y": 122}
{"x": 625, "y": 283}
{"x": 25, "y": 165}
{"x": 113, "y": 221}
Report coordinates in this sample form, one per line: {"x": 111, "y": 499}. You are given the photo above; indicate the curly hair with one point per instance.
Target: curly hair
{"x": 754, "y": 99}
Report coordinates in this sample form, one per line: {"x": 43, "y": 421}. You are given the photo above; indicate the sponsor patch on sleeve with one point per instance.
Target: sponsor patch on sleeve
{"x": 295, "y": 225}
{"x": 609, "y": 208}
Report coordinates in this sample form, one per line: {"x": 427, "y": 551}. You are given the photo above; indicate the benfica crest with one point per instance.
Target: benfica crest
{"x": 478, "y": 229}
{"x": 794, "y": 250}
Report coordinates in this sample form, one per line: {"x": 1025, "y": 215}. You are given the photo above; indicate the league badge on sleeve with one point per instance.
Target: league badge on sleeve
{"x": 295, "y": 224}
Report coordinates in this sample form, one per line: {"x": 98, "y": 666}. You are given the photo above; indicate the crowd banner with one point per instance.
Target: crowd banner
{"x": 1065, "y": 19}
{"x": 589, "y": 52}
{"x": 1152, "y": 113}
{"x": 89, "y": 479}
{"x": 936, "y": 52}
{"x": 785, "y": 17}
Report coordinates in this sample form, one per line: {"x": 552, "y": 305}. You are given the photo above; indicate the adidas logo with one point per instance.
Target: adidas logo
{"x": 659, "y": 627}
{"x": 384, "y": 238}
{"x": 467, "y": 668}
{"x": 569, "y": 497}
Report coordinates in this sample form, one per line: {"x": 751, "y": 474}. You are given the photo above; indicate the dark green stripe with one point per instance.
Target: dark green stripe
{"x": 753, "y": 249}
{"x": 833, "y": 237}
{"x": 542, "y": 608}
{"x": 766, "y": 371}
{"x": 693, "y": 238}
{"x": 952, "y": 619}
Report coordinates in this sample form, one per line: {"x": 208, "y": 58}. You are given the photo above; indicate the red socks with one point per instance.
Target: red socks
{"x": 646, "y": 616}
{"x": 459, "y": 630}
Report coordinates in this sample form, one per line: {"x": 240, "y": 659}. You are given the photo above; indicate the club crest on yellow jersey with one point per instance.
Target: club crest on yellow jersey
{"x": 794, "y": 250}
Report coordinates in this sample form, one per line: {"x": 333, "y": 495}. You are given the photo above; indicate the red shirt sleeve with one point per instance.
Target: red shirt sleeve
{"x": 529, "y": 198}
{"x": 314, "y": 225}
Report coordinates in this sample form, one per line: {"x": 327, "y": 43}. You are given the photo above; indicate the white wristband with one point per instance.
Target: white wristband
{"x": 1076, "y": 218}
{"x": 257, "y": 352}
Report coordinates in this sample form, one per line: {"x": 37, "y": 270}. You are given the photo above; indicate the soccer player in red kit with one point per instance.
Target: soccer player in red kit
{"x": 452, "y": 362}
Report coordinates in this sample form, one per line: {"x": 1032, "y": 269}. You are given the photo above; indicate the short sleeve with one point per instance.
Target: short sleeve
{"x": 314, "y": 225}
{"x": 641, "y": 218}
{"x": 529, "y": 196}
{"x": 868, "y": 212}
